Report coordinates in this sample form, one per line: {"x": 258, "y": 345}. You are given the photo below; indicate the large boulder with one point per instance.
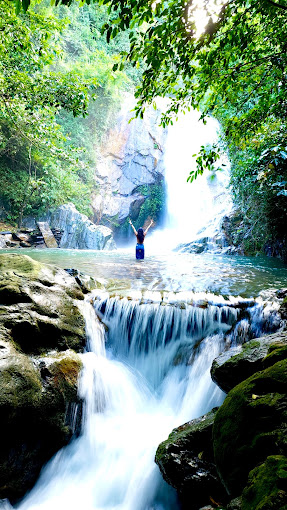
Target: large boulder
{"x": 79, "y": 232}
{"x": 237, "y": 364}
{"x": 36, "y": 399}
{"x": 40, "y": 324}
{"x": 37, "y": 305}
{"x": 251, "y": 425}
{"x": 186, "y": 462}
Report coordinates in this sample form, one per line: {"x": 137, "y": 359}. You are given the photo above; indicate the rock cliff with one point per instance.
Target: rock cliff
{"x": 130, "y": 158}
{"x": 79, "y": 232}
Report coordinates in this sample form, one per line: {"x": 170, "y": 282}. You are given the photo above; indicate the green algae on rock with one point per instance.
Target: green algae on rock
{"x": 33, "y": 407}
{"x": 37, "y": 305}
{"x": 234, "y": 366}
{"x": 38, "y": 388}
{"x": 267, "y": 486}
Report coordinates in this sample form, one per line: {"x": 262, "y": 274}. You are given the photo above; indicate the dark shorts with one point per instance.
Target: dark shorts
{"x": 140, "y": 251}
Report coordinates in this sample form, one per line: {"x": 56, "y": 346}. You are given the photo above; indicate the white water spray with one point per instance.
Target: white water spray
{"x": 194, "y": 210}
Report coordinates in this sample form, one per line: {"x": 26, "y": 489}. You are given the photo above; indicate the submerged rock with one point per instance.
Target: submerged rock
{"x": 38, "y": 388}
{"x": 186, "y": 462}
{"x": 234, "y": 366}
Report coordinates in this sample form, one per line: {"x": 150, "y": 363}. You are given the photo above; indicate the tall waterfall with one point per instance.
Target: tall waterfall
{"x": 149, "y": 372}
{"x": 194, "y": 210}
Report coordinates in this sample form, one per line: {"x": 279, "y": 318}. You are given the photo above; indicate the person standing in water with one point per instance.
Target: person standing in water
{"x": 140, "y": 235}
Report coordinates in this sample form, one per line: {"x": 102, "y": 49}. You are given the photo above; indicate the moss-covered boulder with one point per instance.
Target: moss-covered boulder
{"x": 251, "y": 425}
{"x": 186, "y": 462}
{"x": 267, "y": 486}
{"x": 38, "y": 305}
{"x": 234, "y": 366}
{"x": 36, "y": 400}
{"x": 38, "y": 387}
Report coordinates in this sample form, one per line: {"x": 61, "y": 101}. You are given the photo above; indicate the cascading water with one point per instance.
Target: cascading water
{"x": 193, "y": 210}
{"x": 147, "y": 374}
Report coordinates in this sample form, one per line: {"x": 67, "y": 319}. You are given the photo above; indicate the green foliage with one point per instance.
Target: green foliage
{"x": 154, "y": 204}
{"x": 52, "y": 63}
{"x": 205, "y": 160}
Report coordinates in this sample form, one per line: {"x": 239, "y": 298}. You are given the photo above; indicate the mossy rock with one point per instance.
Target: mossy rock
{"x": 234, "y": 366}
{"x": 267, "y": 486}
{"x": 35, "y": 398}
{"x": 283, "y": 308}
{"x": 38, "y": 305}
{"x": 39, "y": 312}
{"x": 186, "y": 462}
{"x": 250, "y": 425}
{"x": 20, "y": 383}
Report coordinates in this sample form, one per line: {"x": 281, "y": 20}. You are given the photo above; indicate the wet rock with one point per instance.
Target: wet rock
{"x": 251, "y": 425}
{"x": 186, "y": 462}
{"x": 86, "y": 283}
{"x": 283, "y": 308}
{"x": 130, "y": 158}
{"x": 38, "y": 305}
{"x": 198, "y": 246}
{"x": 38, "y": 388}
{"x": 79, "y": 232}
{"x": 239, "y": 363}
{"x": 234, "y": 504}
{"x": 4, "y": 239}
{"x": 20, "y": 236}
{"x": 33, "y": 414}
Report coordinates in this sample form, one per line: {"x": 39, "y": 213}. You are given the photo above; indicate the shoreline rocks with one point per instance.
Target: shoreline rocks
{"x": 246, "y": 435}
{"x": 41, "y": 327}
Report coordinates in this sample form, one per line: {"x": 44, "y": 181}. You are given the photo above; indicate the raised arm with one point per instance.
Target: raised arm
{"x": 151, "y": 223}
{"x": 135, "y": 232}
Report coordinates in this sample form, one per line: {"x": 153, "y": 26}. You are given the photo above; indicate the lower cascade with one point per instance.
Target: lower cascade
{"x": 146, "y": 370}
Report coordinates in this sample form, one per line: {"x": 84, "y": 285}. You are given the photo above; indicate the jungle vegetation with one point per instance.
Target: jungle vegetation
{"x": 233, "y": 69}
{"x": 58, "y": 95}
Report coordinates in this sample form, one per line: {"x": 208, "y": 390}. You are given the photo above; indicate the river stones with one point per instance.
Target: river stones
{"x": 186, "y": 462}
{"x": 251, "y": 425}
{"x": 235, "y": 365}
{"x": 38, "y": 387}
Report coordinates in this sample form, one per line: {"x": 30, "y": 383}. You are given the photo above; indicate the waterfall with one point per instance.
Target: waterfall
{"x": 146, "y": 370}
{"x": 194, "y": 210}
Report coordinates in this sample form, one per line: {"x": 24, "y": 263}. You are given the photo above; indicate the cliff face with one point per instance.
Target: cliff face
{"x": 130, "y": 159}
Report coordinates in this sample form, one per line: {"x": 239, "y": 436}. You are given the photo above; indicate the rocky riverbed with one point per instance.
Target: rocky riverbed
{"x": 233, "y": 457}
